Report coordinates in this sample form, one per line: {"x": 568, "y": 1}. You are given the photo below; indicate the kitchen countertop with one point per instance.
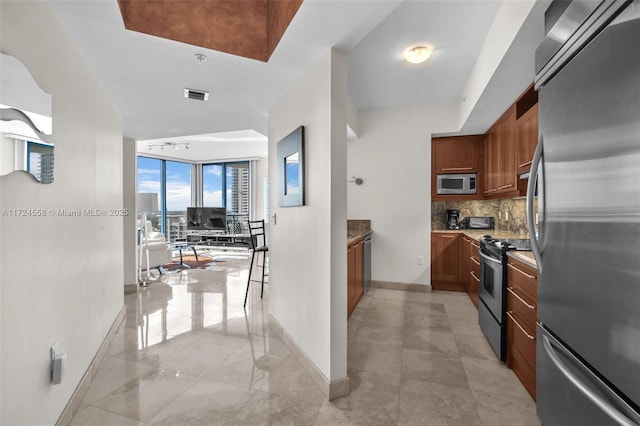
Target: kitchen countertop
{"x": 357, "y": 229}
{"x": 523, "y": 256}
{"x": 356, "y": 236}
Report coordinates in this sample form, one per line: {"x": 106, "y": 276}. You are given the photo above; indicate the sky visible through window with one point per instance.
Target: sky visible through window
{"x": 178, "y": 186}
{"x": 212, "y": 185}
{"x": 149, "y": 176}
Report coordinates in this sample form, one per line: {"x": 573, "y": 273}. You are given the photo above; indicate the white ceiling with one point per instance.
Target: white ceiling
{"x": 146, "y": 75}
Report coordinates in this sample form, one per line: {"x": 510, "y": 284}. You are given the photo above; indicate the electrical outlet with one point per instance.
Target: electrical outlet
{"x": 506, "y": 216}
{"x": 420, "y": 260}
{"x": 499, "y": 214}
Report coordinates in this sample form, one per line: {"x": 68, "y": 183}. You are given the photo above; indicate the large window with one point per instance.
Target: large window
{"x": 178, "y": 190}
{"x": 227, "y": 185}
{"x": 223, "y": 185}
{"x": 150, "y": 180}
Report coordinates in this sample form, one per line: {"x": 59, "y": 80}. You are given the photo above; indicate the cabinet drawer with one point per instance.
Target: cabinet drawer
{"x": 523, "y": 337}
{"x": 523, "y": 305}
{"x": 524, "y": 278}
{"x": 523, "y": 371}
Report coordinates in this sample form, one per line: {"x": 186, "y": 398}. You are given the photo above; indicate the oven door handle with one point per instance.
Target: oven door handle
{"x": 490, "y": 259}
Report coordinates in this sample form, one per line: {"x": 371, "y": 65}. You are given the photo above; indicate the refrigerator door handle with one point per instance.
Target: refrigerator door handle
{"x": 596, "y": 399}
{"x": 531, "y": 187}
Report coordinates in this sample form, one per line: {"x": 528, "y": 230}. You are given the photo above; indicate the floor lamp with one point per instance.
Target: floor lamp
{"x": 146, "y": 202}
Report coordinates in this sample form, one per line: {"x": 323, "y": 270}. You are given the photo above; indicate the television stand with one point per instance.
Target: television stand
{"x": 220, "y": 240}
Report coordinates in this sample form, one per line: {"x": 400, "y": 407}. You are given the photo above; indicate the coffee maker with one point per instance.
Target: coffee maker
{"x": 453, "y": 219}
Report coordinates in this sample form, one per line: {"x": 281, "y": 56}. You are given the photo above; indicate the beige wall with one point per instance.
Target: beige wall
{"x": 61, "y": 278}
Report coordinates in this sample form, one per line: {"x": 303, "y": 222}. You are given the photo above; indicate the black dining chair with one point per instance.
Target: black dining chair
{"x": 258, "y": 242}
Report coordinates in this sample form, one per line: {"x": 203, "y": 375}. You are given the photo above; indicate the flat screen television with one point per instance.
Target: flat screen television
{"x": 207, "y": 219}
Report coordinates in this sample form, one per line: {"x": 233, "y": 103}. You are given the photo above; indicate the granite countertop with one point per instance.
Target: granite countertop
{"x": 357, "y": 229}
{"x": 523, "y": 256}
{"x": 354, "y": 238}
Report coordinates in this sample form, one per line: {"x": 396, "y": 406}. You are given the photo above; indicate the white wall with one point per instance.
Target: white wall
{"x": 307, "y": 259}
{"x": 504, "y": 29}
{"x": 129, "y": 187}
{"x": 393, "y": 157}
{"x": 61, "y": 277}
{"x": 260, "y": 172}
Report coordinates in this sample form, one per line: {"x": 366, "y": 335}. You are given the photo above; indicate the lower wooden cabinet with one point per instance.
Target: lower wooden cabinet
{"x": 444, "y": 262}
{"x": 474, "y": 270}
{"x": 355, "y": 275}
{"x": 455, "y": 263}
{"x": 522, "y": 315}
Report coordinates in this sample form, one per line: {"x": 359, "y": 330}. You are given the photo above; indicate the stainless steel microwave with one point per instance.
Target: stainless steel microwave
{"x": 457, "y": 184}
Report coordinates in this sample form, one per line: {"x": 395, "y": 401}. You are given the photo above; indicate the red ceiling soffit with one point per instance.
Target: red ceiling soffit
{"x": 248, "y": 28}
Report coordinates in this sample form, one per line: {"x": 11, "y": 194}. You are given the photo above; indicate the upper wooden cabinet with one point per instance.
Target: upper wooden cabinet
{"x": 456, "y": 155}
{"x": 526, "y": 139}
{"x": 500, "y": 157}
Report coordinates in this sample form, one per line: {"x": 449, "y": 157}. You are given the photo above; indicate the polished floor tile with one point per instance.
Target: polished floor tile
{"x": 188, "y": 353}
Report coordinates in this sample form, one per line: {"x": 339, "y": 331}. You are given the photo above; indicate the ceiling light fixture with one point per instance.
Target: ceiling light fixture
{"x": 163, "y": 145}
{"x": 417, "y": 54}
{"x": 200, "y": 58}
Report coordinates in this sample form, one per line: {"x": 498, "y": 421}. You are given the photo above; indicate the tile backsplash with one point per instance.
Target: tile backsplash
{"x": 509, "y": 213}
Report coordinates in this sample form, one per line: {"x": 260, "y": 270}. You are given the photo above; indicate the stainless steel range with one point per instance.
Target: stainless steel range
{"x": 493, "y": 289}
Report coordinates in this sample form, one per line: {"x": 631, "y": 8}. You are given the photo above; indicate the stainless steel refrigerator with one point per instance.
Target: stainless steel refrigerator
{"x": 588, "y": 245}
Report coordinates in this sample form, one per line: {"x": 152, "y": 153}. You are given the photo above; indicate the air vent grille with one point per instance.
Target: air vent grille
{"x": 199, "y": 95}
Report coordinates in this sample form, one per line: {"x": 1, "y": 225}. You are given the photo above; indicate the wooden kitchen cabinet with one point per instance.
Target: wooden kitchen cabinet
{"x": 522, "y": 316}
{"x": 469, "y": 267}
{"x": 500, "y": 157}
{"x": 474, "y": 271}
{"x": 457, "y": 155}
{"x": 355, "y": 275}
{"x": 526, "y": 139}
{"x": 444, "y": 262}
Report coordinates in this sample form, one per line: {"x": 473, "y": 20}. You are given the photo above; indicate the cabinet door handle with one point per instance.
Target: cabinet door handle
{"x": 509, "y": 314}
{"x": 531, "y": 277}
{"x": 505, "y": 186}
{"x": 526, "y": 163}
{"x": 456, "y": 169}
{"x": 447, "y": 236}
{"x": 510, "y": 290}
{"x": 466, "y": 240}
{"x": 473, "y": 259}
{"x": 475, "y": 245}
{"x": 474, "y": 276}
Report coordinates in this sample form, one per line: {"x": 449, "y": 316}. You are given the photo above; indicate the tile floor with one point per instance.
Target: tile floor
{"x": 188, "y": 354}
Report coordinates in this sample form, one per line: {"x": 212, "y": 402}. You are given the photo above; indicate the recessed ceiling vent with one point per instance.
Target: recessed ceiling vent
{"x": 199, "y": 95}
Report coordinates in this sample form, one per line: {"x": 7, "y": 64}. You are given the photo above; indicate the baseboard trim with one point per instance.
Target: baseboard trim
{"x": 393, "y": 285}
{"x": 331, "y": 389}
{"x": 76, "y": 398}
{"x": 131, "y": 288}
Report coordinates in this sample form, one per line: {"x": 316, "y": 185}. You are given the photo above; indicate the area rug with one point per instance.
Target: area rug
{"x": 189, "y": 262}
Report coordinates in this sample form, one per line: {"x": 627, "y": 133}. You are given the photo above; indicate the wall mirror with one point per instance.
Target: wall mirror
{"x": 291, "y": 169}
{"x": 26, "y": 142}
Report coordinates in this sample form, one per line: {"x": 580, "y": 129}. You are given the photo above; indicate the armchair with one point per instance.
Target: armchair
{"x": 159, "y": 252}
